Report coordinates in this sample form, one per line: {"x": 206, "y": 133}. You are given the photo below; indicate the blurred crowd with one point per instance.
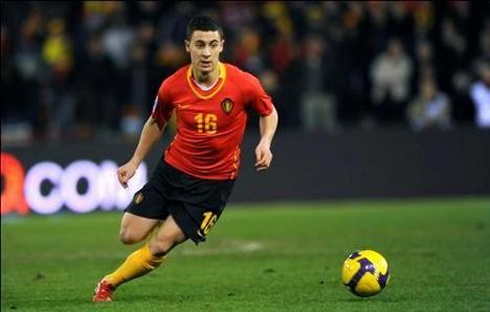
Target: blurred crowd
{"x": 91, "y": 69}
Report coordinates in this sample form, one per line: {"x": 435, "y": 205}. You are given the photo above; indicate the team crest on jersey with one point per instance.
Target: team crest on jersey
{"x": 227, "y": 105}
{"x": 138, "y": 198}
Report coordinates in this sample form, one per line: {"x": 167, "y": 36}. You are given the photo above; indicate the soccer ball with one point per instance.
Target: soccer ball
{"x": 366, "y": 273}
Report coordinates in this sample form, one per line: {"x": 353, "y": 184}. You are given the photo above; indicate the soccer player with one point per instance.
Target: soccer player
{"x": 188, "y": 190}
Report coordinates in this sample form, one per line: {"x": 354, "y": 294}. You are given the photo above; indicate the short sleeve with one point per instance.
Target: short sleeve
{"x": 162, "y": 107}
{"x": 260, "y": 101}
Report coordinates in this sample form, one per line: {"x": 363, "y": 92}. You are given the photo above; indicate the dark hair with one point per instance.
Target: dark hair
{"x": 203, "y": 23}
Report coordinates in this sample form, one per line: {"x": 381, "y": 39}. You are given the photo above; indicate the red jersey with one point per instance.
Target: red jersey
{"x": 210, "y": 124}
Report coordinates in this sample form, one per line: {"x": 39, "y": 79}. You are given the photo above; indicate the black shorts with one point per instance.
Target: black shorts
{"x": 195, "y": 204}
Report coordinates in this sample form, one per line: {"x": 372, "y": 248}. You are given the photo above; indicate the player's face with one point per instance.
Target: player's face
{"x": 204, "y": 49}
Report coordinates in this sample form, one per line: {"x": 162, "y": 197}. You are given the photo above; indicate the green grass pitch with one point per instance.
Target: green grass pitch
{"x": 261, "y": 257}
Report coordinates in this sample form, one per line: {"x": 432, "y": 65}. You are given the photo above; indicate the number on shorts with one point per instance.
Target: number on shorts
{"x": 208, "y": 222}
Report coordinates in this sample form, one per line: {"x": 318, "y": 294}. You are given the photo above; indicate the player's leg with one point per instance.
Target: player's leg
{"x": 143, "y": 260}
{"x": 150, "y": 256}
{"x": 135, "y": 229}
{"x": 167, "y": 237}
{"x": 143, "y": 215}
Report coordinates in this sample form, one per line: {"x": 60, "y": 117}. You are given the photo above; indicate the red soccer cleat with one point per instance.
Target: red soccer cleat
{"x": 103, "y": 292}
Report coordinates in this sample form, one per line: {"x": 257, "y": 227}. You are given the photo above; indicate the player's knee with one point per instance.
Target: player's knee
{"x": 163, "y": 244}
{"x": 161, "y": 247}
{"x": 128, "y": 238}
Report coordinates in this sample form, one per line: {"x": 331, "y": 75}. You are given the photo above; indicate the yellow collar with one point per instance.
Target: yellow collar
{"x": 200, "y": 93}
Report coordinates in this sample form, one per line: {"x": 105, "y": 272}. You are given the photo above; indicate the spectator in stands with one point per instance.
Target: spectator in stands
{"x": 21, "y": 72}
{"x": 480, "y": 93}
{"x": 97, "y": 108}
{"x": 143, "y": 40}
{"x": 430, "y": 109}
{"x": 58, "y": 96}
{"x": 318, "y": 101}
{"x": 391, "y": 72}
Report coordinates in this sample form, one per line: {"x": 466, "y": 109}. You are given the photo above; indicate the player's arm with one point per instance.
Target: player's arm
{"x": 263, "y": 154}
{"x": 150, "y": 134}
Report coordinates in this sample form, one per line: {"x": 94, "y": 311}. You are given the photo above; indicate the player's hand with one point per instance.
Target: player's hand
{"x": 263, "y": 156}
{"x": 126, "y": 172}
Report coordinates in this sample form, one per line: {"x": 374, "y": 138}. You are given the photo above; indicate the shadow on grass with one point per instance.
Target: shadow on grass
{"x": 375, "y": 299}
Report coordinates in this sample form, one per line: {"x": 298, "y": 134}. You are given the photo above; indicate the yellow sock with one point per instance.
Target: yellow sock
{"x": 137, "y": 264}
